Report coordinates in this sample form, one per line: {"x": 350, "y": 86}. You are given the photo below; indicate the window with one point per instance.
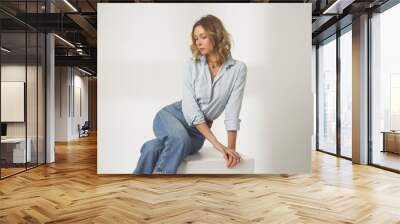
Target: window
{"x": 327, "y": 96}
{"x": 346, "y": 94}
{"x": 385, "y": 88}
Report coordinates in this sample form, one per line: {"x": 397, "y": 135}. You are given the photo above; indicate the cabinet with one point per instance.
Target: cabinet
{"x": 391, "y": 142}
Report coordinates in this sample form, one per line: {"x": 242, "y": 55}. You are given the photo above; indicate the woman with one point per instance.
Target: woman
{"x": 213, "y": 82}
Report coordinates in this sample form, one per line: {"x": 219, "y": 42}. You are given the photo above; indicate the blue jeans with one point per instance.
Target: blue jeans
{"x": 175, "y": 139}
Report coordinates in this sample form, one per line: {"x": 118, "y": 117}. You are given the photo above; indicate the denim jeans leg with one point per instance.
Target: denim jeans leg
{"x": 197, "y": 144}
{"x": 177, "y": 143}
{"x": 197, "y": 139}
{"x": 175, "y": 140}
{"x": 149, "y": 154}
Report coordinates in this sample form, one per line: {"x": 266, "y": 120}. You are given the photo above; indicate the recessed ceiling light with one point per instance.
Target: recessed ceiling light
{"x": 70, "y": 5}
{"x": 5, "y": 50}
{"x": 337, "y": 7}
{"x": 64, "y": 40}
{"x": 86, "y": 72}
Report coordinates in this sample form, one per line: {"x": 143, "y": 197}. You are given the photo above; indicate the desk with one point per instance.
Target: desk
{"x": 13, "y": 150}
{"x": 391, "y": 141}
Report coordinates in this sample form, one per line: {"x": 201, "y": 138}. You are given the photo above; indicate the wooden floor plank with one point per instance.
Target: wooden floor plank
{"x": 70, "y": 191}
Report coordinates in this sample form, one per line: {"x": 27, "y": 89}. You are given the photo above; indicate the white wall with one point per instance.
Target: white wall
{"x": 68, "y": 81}
{"x": 141, "y": 52}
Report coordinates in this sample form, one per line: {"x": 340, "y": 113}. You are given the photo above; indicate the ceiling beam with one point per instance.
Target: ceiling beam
{"x": 85, "y": 61}
{"x": 337, "y": 7}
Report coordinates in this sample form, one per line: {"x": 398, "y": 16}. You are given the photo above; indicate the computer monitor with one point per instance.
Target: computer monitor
{"x": 3, "y": 129}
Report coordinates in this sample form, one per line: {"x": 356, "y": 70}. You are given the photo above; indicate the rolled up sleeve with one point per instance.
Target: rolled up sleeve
{"x": 234, "y": 104}
{"x": 190, "y": 108}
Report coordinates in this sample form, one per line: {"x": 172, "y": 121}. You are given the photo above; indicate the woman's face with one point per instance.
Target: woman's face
{"x": 203, "y": 43}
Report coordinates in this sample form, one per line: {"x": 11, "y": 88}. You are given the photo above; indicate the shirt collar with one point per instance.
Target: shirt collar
{"x": 229, "y": 61}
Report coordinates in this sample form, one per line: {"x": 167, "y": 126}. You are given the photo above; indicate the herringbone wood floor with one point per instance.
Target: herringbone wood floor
{"x": 70, "y": 191}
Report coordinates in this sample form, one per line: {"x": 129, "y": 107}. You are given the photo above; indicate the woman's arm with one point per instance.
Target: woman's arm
{"x": 232, "y": 139}
{"x": 230, "y": 155}
{"x": 232, "y": 148}
{"x": 209, "y": 135}
{"x": 232, "y": 111}
{"x": 234, "y": 104}
{"x": 191, "y": 110}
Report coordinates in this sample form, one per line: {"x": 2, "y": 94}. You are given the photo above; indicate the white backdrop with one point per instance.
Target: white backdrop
{"x": 141, "y": 53}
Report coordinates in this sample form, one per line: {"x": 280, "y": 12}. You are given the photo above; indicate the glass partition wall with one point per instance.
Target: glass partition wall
{"x": 385, "y": 89}
{"x": 346, "y": 95}
{"x": 334, "y": 104}
{"x": 334, "y": 93}
{"x": 327, "y": 95}
{"x": 22, "y": 88}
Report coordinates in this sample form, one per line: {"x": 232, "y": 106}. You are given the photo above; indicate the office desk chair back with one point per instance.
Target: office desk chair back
{"x": 84, "y": 130}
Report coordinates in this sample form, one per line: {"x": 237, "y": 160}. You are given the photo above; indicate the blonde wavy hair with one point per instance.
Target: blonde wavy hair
{"x": 218, "y": 36}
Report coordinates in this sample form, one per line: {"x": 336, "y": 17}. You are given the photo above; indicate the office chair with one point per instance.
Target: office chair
{"x": 84, "y": 130}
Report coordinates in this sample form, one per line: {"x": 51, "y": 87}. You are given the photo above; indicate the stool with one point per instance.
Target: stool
{"x": 210, "y": 161}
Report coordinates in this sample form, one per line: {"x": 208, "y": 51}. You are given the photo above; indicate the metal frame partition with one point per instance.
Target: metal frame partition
{"x": 31, "y": 30}
{"x": 382, "y": 8}
{"x": 336, "y": 38}
{"x": 387, "y": 5}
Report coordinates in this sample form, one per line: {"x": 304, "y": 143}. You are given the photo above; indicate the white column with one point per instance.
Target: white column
{"x": 50, "y": 91}
{"x": 360, "y": 90}
{"x": 50, "y": 110}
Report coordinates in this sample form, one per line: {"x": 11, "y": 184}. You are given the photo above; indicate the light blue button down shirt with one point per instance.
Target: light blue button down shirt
{"x": 204, "y": 99}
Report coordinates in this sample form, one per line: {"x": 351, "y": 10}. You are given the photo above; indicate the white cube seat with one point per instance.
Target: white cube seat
{"x": 209, "y": 161}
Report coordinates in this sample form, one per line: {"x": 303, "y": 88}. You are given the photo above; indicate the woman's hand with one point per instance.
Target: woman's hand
{"x": 230, "y": 155}
{"x": 233, "y": 158}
